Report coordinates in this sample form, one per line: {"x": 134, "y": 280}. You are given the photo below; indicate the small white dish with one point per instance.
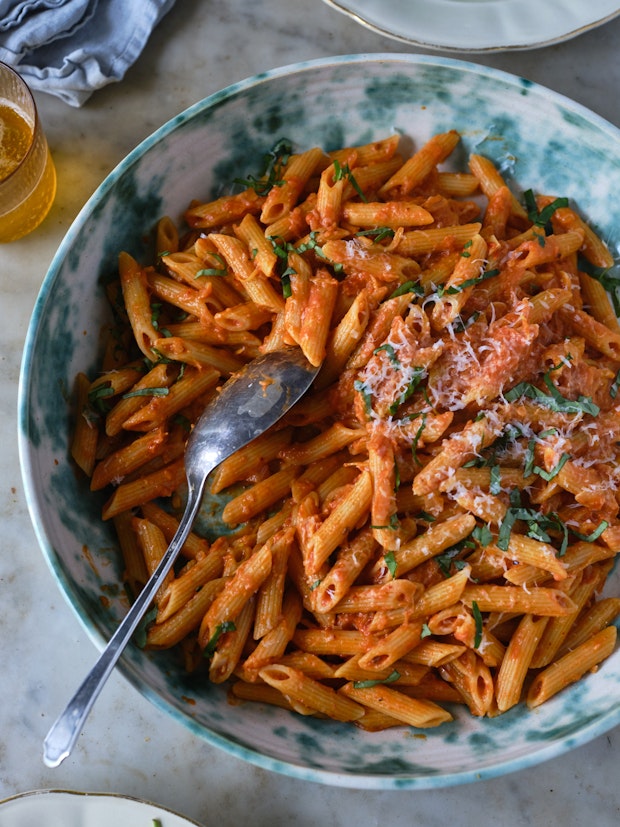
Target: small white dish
{"x": 64, "y": 808}
{"x": 478, "y": 25}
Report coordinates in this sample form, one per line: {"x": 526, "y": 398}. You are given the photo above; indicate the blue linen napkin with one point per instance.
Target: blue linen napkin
{"x": 69, "y": 48}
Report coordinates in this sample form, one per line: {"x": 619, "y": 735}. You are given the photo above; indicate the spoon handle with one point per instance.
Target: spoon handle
{"x": 63, "y": 734}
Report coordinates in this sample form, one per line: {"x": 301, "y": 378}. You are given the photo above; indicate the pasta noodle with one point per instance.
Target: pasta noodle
{"x": 435, "y": 521}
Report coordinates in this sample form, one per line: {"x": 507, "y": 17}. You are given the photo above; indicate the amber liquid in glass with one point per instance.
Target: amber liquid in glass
{"x": 15, "y": 139}
{"x": 38, "y": 188}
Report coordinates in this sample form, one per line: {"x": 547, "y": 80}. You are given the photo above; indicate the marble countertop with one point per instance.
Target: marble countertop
{"x": 129, "y": 746}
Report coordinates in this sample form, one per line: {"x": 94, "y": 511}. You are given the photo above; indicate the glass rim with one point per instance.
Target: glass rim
{"x": 35, "y": 125}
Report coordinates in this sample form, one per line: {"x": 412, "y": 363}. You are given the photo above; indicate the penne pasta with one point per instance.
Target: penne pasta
{"x": 435, "y": 521}
{"x": 311, "y": 694}
{"x": 516, "y": 661}
{"x": 85, "y": 434}
{"x": 412, "y": 711}
{"x": 571, "y": 666}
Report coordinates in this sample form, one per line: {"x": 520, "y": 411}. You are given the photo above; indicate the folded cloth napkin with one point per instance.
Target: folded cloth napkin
{"x": 69, "y": 48}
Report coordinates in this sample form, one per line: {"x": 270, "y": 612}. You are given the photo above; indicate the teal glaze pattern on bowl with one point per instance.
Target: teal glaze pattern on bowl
{"x": 538, "y": 138}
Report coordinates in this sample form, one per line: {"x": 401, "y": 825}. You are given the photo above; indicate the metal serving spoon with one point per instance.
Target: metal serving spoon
{"x": 248, "y": 403}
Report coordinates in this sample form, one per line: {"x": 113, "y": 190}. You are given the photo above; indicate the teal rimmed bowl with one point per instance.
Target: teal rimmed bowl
{"x": 539, "y": 139}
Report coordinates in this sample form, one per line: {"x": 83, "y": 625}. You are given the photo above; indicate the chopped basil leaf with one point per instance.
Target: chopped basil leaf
{"x": 615, "y": 385}
{"x": 147, "y": 392}
{"x": 523, "y": 389}
{"x": 214, "y": 271}
{"x": 549, "y": 475}
{"x": 590, "y": 538}
{"x": 554, "y": 399}
{"x": 478, "y": 619}
{"x": 542, "y": 218}
{"x": 279, "y": 246}
{"x": 285, "y": 280}
{"x": 143, "y": 626}
{"x": 341, "y": 172}
{"x": 313, "y": 245}
{"x": 582, "y": 404}
{"x": 282, "y": 248}
{"x": 418, "y": 374}
{"x": 161, "y": 359}
{"x": 394, "y": 676}
{"x": 362, "y": 389}
{"x": 379, "y": 233}
{"x": 275, "y": 160}
{"x": 546, "y": 214}
{"x": 482, "y": 535}
{"x": 389, "y": 349}
{"x": 548, "y": 432}
{"x": 220, "y": 629}
{"x": 538, "y": 525}
{"x": 427, "y": 399}
{"x": 390, "y": 562}
{"x": 155, "y": 314}
{"x": 607, "y": 277}
{"x": 416, "y": 440}
{"x": 407, "y": 287}
{"x": 507, "y": 524}
{"x": 563, "y": 528}
{"x": 426, "y": 632}
{"x": 530, "y": 205}
{"x": 100, "y": 392}
{"x": 496, "y": 480}
{"x": 459, "y": 325}
{"x": 458, "y": 288}
{"x": 446, "y": 560}
{"x": 392, "y": 525}
{"x": 183, "y": 422}
{"x": 528, "y": 467}
{"x": 396, "y": 477}
{"x": 537, "y": 532}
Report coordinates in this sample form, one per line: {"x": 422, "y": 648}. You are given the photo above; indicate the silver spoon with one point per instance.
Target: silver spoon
{"x": 248, "y": 403}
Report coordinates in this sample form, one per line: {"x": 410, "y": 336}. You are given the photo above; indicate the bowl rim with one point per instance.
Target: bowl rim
{"x": 552, "y": 749}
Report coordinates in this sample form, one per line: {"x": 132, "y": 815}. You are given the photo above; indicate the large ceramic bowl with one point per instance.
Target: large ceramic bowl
{"x": 538, "y": 138}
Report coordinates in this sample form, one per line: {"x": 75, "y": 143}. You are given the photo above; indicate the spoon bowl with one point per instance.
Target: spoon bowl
{"x": 249, "y": 403}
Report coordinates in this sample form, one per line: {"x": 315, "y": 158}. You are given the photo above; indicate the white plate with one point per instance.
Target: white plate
{"x": 479, "y": 25}
{"x": 58, "y": 808}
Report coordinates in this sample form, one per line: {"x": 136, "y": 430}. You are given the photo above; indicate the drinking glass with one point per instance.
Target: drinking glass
{"x": 27, "y": 174}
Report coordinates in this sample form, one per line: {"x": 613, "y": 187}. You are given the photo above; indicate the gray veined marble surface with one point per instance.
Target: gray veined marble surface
{"x": 129, "y": 746}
